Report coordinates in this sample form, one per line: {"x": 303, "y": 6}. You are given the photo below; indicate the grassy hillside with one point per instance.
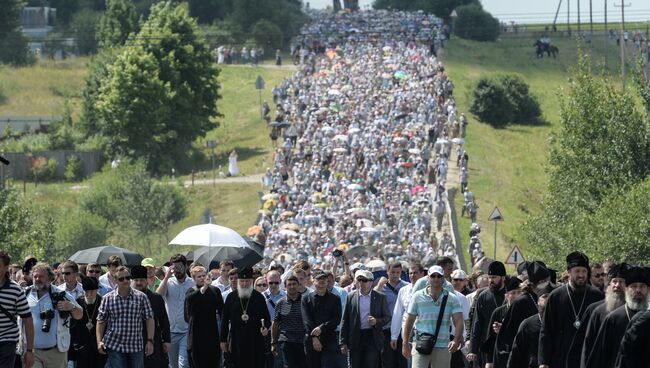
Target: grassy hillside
{"x": 507, "y": 165}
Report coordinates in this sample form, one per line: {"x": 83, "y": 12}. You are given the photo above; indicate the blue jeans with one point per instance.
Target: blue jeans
{"x": 125, "y": 360}
{"x": 178, "y": 352}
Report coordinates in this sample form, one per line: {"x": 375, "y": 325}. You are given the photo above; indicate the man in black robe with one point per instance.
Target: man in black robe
{"x": 501, "y": 352}
{"x": 614, "y": 298}
{"x": 83, "y": 331}
{"x": 244, "y": 323}
{"x": 635, "y": 347}
{"x": 525, "y": 346}
{"x": 525, "y": 305}
{"x": 202, "y": 304}
{"x": 162, "y": 335}
{"x": 485, "y": 304}
{"x": 564, "y": 325}
{"x": 605, "y": 350}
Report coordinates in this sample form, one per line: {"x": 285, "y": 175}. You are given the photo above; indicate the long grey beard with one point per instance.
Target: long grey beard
{"x": 613, "y": 300}
{"x": 244, "y": 292}
{"x": 637, "y": 306}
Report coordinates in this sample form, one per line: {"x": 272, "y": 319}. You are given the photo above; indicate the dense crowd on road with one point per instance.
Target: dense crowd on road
{"x": 357, "y": 271}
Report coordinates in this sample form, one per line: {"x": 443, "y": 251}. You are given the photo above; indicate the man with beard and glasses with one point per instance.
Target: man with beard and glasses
{"x": 162, "y": 335}
{"x": 564, "y": 323}
{"x": 84, "y": 332}
{"x": 605, "y": 350}
{"x": 244, "y": 324}
{"x": 202, "y": 305}
{"x": 525, "y": 305}
{"x": 173, "y": 288}
{"x": 614, "y": 298}
{"x": 485, "y": 304}
{"x": 526, "y": 342}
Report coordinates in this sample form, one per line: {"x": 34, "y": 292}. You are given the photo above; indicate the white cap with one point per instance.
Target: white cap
{"x": 459, "y": 274}
{"x": 365, "y": 274}
{"x": 436, "y": 269}
{"x": 357, "y": 266}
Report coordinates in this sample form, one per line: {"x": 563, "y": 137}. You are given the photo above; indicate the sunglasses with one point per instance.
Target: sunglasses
{"x": 261, "y": 285}
{"x": 94, "y": 271}
{"x": 600, "y": 274}
{"x": 363, "y": 280}
{"x": 458, "y": 279}
{"x": 124, "y": 278}
{"x": 436, "y": 276}
{"x": 274, "y": 282}
{"x": 66, "y": 273}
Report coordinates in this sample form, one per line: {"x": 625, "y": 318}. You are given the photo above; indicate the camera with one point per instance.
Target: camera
{"x": 59, "y": 296}
{"x": 46, "y": 317}
{"x": 337, "y": 253}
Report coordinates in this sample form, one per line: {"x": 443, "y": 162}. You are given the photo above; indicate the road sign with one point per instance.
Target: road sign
{"x": 515, "y": 257}
{"x": 259, "y": 83}
{"x": 495, "y": 215}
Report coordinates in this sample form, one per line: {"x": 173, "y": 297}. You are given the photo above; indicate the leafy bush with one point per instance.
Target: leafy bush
{"x": 42, "y": 168}
{"x": 74, "y": 169}
{"x": 476, "y": 24}
{"x": 267, "y": 35}
{"x": 79, "y": 230}
{"x": 504, "y": 99}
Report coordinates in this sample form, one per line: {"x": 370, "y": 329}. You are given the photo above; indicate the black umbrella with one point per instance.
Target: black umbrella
{"x": 101, "y": 254}
{"x": 241, "y": 256}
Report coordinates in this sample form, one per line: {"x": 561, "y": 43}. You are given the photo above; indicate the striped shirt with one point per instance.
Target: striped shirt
{"x": 123, "y": 316}
{"x": 426, "y": 310}
{"x": 13, "y": 300}
{"x": 289, "y": 315}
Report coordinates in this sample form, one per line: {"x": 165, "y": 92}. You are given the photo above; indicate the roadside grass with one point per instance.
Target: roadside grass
{"x": 507, "y": 166}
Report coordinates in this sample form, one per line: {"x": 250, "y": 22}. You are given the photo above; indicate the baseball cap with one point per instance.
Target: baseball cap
{"x": 365, "y": 274}
{"x": 436, "y": 269}
{"x": 459, "y": 275}
{"x": 148, "y": 262}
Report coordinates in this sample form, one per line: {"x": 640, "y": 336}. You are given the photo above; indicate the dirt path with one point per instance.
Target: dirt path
{"x": 252, "y": 179}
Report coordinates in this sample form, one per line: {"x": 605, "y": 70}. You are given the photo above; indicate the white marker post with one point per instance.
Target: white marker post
{"x": 495, "y": 216}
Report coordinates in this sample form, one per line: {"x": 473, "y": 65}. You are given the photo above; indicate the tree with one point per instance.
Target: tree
{"x": 526, "y": 105}
{"x": 491, "y": 103}
{"x": 84, "y": 25}
{"x": 65, "y": 10}
{"x": 161, "y": 92}
{"x": 601, "y": 150}
{"x": 119, "y": 21}
{"x": 441, "y": 8}
{"x": 207, "y": 11}
{"x": 13, "y": 45}
{"x": 267, "y": 35}
{"x": 80, "y": 230}
{"x": 476, "y": 24}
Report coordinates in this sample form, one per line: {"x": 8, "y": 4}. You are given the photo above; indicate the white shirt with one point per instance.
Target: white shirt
{"x": 399, "y": 317}
{"x": 464, "y": 305}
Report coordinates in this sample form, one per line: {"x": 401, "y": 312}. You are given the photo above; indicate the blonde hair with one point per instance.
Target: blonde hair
{"x": 197, "y": 269}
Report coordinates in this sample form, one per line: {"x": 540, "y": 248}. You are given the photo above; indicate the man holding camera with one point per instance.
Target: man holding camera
{"x": 51, "y": 311}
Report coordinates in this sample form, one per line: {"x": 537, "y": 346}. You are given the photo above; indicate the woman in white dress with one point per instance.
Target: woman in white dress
{"x": 233, "y": 170}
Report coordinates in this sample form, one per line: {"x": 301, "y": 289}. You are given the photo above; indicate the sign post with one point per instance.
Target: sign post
{"x": 495, "y": 216}
{"x": 259, "y": 86}
{"x": 515, "y": 256}
{"x": 212, "y": 144}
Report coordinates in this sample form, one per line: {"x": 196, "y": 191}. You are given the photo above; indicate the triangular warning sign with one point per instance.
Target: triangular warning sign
{"x": 495, "y": 215}
{"x": 515, "y": 256}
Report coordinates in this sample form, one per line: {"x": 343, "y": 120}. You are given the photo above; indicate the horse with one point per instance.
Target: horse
{"x": 553, "y": 50}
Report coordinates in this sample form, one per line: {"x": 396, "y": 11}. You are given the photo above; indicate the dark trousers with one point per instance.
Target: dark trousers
{"x": 326, "y": 358}
{"x": 7, "y": 354}
{"x": 391, "y": 358}
{"x": 366, "y": 354}
{"x": 293, "y": 354}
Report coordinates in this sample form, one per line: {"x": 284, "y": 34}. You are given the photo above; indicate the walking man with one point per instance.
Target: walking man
{"x": 288, "y": 330}
{"x": 119, "y": 324}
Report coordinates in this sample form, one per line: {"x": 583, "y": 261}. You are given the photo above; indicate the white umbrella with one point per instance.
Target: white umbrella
{"x": 340, "y": 150}
{"x": 354, "y": 130}
{"x": 355, "y": 187}
{"x": 369, "y": 229}
{"x": 327, "y": 128}
{"x": 414, "y": 151}
{"x": 442, "y": 141}
{"x": 458, "y": 140}
{"x": 209, "y": 235}
{"x": 363, "y": 223}
{"x": 341, "y": 137}
{"x": 376, "y": 265}
{"x": 334, "y": 92}
{"x": 289, "y": 233}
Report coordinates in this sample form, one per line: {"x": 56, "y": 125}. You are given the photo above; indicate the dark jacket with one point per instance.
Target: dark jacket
{"x": 351, "y": 322}
{"x": 161, "y": 330}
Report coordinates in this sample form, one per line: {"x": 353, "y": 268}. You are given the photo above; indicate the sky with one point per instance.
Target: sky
{"x": 543, "y": 11}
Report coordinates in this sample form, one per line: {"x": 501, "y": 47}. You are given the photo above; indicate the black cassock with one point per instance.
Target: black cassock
{"x": 521, "y": 308}
{"x": 560, "y": 343}
{"x": 597, "y": 313}
{"x": 635, "y": 347}
{"x": 247, "y": 348}
{"x": 84, "y": 340}
{"x": 524, "y": 347}
{"x": 484, "y": 305}
{"x": 489, "y": 346}
{"x": 203, "y": 336}
{"x": 605, "y": 350}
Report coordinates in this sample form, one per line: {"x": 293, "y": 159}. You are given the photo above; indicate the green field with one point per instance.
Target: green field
{"x": 507, "y": 166}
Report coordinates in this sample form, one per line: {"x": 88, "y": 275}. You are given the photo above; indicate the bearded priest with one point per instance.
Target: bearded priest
{"x": 245, "y": 323}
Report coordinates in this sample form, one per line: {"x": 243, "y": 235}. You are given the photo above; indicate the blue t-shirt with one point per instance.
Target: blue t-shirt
{"x": 426, "y": 310}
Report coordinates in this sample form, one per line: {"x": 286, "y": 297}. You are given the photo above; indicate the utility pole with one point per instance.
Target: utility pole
{"x": 622, "y": 38}
{"x": 579, "y": 33}
{"x": 591, "y": 19}
{"x": 568, "y": 17}
{"x": 606, "y": 36}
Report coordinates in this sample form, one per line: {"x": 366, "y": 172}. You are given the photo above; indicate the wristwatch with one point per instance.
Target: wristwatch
{"x": 29, "y": 350}
{"x": 150, "y": 340}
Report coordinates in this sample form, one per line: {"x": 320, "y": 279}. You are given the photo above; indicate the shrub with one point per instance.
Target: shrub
{"x": 42, "y": 168}
{"x": 503, "y": 99}
{"x": 476, "y": 24}
{"x": 267, "y": 35}
{"x": 74, "y": 169}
